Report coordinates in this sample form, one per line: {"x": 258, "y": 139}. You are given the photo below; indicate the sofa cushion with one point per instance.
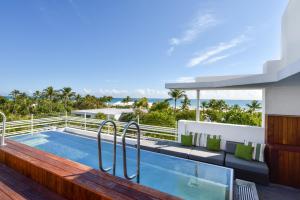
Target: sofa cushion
{"x": 203, "y": 155}
{"x": 231, "y": 146}
{"x": 243, "y": 151}
{"x": 187, "y": 140}
{"x": 258, "y": 151}
{"x": 213, "y": 144}
{"x": 253, "y": 166}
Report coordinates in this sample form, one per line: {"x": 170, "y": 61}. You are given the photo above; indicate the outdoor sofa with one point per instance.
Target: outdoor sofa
{"x": 255, "y": 171}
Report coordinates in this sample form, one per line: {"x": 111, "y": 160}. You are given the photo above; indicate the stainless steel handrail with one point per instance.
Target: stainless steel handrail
{"x": 137, "y": 175}
{"x": 114, "y": 147}
{"x": 3, "y": 129}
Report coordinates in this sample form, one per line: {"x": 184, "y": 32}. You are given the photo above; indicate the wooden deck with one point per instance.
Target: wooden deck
{"x": 69, "y": 179}
{"x": 13, "y": 185}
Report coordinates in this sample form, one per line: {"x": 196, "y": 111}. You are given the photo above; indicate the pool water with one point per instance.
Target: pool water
{"x": 180, "y": 177}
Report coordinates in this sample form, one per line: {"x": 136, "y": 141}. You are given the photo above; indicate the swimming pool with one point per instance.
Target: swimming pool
{"x": 180, "y": 177}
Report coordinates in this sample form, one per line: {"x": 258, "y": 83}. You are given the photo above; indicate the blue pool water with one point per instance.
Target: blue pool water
{"x": 180, "y": 177}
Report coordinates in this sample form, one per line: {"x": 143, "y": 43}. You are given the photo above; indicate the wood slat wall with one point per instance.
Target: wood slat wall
{"x": 283, "y": 155}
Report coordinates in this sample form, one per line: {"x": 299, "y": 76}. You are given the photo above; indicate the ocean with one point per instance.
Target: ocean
{"x": 242, "y": 103}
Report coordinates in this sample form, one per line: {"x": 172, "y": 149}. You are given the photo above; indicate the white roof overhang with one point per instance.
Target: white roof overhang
{"x": 255, "y": 81}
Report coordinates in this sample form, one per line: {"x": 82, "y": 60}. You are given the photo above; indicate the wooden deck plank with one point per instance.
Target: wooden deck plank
{"x": 77, "y": 168}
{"x": 37, "y": 173}
{"x": 16, "y": 186}
{"x": 69, "y": 178}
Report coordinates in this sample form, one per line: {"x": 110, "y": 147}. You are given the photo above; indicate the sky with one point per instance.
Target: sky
{"x": 134, "y": 47}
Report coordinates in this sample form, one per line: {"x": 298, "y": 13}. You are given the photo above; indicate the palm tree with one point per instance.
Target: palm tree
{"x": 78, "y": 98}
{"x": 176, "y": 94}
{"x": 141, "y": 103}
{"x": 253, "y": 106}
{"x": 219, "y": 105}
{"x": 49, "y": 93}
{"x": 185, "y": 103}
{"x": 14, "y": 94}
{"x": 66, "y": 95}
{"x": 204, "y": 105}
{"x": 126, "y": 100}
{"x": 36, "y": 96}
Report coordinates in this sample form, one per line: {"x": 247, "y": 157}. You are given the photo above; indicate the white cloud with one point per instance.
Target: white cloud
{"x": 148, "y": 92}
{"x": 112, "y": 92}
{"x": 87, "y": 91}
{"x": 195, "y": 28}
{"x": 208, "y": 56}
{"x": 185, "y": 79}
{"x": 216, "y": 59}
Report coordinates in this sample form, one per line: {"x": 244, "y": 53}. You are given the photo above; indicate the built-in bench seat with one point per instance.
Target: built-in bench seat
{"x": 176, "y": 149}
{"x": 203, "y": 155}
{"x": 248, "y": 170}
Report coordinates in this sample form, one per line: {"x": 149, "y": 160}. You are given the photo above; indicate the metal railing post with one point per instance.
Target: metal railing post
{"x": 3, "y": 128}
{"x": 176, "y": 133}
{"x": 66, "y": 119}
{"x": 85, "y": 121}
{"x": 31, "y": 124}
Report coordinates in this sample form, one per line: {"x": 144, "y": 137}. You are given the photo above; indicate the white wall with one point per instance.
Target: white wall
{"x": 290, "y": 39}
{"x": 228, "y": 132}
{"x": 283, "y": 98}
{"x": 291, "y": 33}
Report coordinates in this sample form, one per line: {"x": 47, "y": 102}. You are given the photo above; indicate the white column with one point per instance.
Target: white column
{"x": 263, "y": 113}
{"x": 198, "y": 106}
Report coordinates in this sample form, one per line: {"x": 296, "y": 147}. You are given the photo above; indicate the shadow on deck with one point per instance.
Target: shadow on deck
{"x": 13, "y": 185}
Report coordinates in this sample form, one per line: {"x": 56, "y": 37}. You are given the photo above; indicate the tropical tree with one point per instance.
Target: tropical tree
{"x": 37, "y": 95}
{"x": 141, "y": 103}
{"x": 14, "y": 95}
{"x": 219, "y": 105}
{"x": 176, "y": 94}
{"x": 185, "y": 103}
{"x": 66, "y": 95}
{"x": 203, "y": 105}
{"x": 126, "y": 100}
{"x": 105, "y": 99}
{"x": 160, "y": 106}
{"x": 253, "y": 106}
{"x": 49, "y": 93}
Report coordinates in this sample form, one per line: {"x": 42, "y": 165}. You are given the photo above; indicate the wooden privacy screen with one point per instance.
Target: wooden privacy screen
{"x": 283, "y": 155}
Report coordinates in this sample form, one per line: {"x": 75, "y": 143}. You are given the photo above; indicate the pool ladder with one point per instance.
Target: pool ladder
{"x": 114, "y": 147}
{"x": 130, "y": 124}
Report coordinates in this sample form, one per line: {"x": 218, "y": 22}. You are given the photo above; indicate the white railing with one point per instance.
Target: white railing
{"x": 37, "y": 125}
{"x": 148, "y": 131}
{"x": 3, "y": 128}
